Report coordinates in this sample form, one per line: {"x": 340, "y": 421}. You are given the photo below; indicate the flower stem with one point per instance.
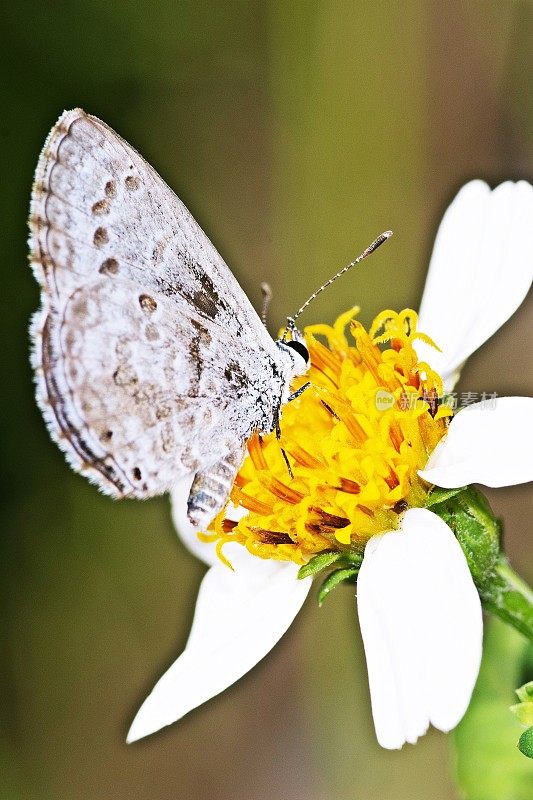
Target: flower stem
{"x": 509, "y": 597}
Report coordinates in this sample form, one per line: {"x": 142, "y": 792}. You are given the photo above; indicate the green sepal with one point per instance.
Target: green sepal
{"x": 523, "y": 712}
{"x": 318, "y": 563}
{"x": 333, "y": 579}
{"x": 524, "y": 709}
{"x": 324, "y": 560}
{"x": 525, "y": 692}
{"x": 438, "y": 495}
{"x": 525, "y": 743}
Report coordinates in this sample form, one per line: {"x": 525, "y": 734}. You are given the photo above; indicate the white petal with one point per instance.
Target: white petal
{"x": 421, "y": 623}
{"x": 239, "y": 617}
{"x": 489, "y": 442}
{"x": 480, "y": 271}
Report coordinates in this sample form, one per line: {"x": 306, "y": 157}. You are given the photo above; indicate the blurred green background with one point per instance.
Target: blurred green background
{"x": 295, "y": 132}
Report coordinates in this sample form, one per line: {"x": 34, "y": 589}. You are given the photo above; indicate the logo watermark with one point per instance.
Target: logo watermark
{"x": 384, "y": 400}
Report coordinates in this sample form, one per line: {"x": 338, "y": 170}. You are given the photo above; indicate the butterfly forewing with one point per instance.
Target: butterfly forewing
{"x": 151, "y": 362}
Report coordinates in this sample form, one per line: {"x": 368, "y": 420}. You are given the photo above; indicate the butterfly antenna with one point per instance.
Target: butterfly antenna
{"x": 370, "y": 249}
{"x": 266, "y": 291}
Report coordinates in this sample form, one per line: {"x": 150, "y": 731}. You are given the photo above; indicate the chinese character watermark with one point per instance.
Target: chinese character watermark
{"x": 409, "y": 401}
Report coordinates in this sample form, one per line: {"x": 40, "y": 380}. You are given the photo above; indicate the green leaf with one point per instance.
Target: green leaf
{"x": 488, "y": 765}
{"x": 333, "y": 579}
{"x": 438, "y": 495}
{"x": 525, "y": 743}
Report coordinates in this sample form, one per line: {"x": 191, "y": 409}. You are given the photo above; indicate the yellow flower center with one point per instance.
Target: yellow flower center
{"x": 355, "y": 441}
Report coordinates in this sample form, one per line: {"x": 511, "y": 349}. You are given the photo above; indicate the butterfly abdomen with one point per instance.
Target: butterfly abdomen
{"x": 210, "y": 489}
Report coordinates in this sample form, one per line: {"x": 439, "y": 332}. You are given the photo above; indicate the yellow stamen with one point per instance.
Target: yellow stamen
{"x": 355, "y": 439}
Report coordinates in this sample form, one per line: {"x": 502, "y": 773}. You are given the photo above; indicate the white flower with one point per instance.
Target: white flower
{"x": 421, "y": 624}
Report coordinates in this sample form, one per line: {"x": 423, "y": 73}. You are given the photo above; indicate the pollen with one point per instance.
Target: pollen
{"x": 355, "y": 440}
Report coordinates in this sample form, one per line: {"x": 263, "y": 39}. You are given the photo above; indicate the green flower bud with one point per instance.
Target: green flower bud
{"x": 525, "y": 743}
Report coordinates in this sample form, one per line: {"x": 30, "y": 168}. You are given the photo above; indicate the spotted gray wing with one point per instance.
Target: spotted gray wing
{"x": 150, "y": 360}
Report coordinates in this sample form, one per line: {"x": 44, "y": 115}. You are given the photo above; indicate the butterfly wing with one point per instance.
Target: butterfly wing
{"x": 151, "y": 363}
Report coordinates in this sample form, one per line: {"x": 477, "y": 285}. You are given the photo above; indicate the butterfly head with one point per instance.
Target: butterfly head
{"x": 296, "y": 347}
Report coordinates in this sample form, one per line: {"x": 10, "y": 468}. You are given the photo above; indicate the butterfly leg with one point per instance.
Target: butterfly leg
{"x": 298, "y": 392}
{"x": 283, "y": 453}
{"x": 210, "y": 489}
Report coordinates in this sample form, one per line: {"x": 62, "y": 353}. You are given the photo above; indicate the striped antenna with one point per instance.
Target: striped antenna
{"x": 370, "y": 249}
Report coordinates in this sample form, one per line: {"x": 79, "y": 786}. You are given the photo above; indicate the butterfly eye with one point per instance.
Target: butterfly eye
{"x": 300, "y": 348}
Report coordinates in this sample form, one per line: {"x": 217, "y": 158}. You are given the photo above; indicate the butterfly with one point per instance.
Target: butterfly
{"x": 151, "y": 363}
